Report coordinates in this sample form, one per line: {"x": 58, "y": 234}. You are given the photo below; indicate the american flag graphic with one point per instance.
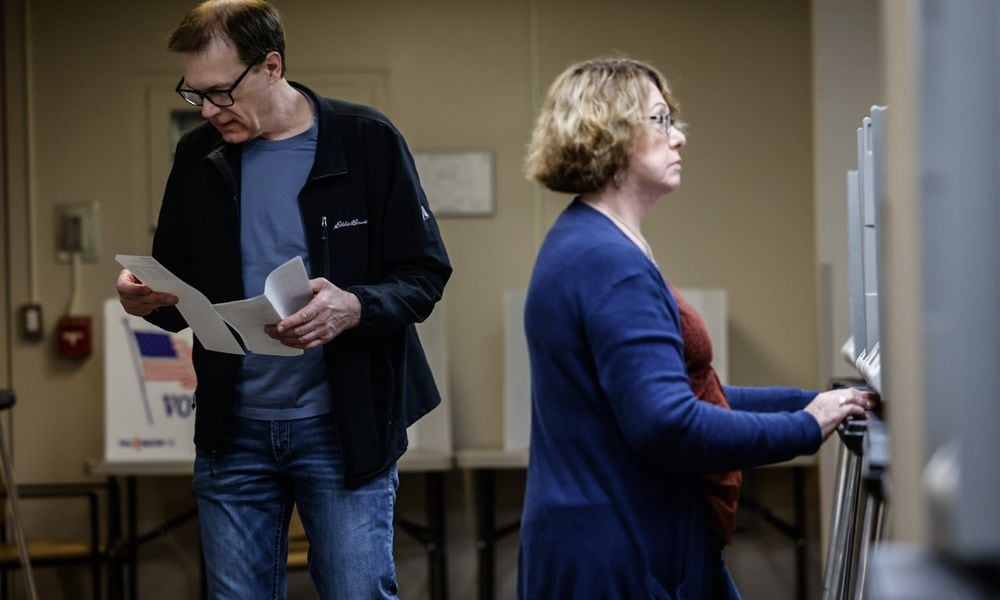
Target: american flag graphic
{"x": 165, "y": 358}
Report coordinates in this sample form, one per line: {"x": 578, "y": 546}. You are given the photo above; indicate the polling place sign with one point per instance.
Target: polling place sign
{"x": 149, "y": 385}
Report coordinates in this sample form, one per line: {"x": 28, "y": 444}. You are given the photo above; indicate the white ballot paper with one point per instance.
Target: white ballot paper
{"x": 286, "y": 290}
{"x": 192, "y": 304}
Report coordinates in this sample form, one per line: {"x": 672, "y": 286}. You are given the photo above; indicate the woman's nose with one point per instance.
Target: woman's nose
{"x": 677, "y": 138}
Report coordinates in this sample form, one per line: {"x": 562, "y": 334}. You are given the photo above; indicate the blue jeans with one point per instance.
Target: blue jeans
{"x": 245, "y": 496}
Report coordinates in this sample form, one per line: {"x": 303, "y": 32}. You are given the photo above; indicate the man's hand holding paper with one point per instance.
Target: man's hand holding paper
{"x": 286, "y": 290}
{"x": 330, "y": 312}
{"x": 315, "y": 311}
{"x": 192, "y": 304}
{"x": 138, "y": 298}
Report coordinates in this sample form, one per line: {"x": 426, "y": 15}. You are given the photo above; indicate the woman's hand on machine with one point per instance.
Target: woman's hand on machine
{"x": 831, "y": 408}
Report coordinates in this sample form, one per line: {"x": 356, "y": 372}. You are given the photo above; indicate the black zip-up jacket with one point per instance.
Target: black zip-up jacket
{"x": 369, "y": 231}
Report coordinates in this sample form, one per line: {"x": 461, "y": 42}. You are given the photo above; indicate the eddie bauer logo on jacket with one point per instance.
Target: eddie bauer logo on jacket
{"x": 351, "y": 223}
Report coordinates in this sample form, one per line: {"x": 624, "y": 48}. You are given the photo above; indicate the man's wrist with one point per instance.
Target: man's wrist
{"x": 354, "y": 302}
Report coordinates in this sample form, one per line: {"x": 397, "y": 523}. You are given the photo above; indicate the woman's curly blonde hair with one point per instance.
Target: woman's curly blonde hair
{"x": 591, "y": 117}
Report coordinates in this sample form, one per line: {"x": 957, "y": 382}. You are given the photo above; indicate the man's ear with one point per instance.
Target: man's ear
{"x": 272, "y": 63}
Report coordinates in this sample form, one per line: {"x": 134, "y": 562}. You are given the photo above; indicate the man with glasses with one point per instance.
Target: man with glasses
{"x": 278, "y": 172}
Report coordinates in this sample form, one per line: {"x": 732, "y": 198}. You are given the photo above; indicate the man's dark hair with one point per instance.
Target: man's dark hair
{"x": 253, "y": 27}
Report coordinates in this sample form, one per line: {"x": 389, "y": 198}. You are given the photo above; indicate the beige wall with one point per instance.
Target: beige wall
{"x": 461, "y": 74}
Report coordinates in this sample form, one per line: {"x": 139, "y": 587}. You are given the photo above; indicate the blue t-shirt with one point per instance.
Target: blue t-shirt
{"x": 271, "y": 232}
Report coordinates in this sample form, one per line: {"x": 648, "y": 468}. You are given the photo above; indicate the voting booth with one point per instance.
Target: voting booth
{"x": 860, "y": 507}
{"x": 433, "y": 431}
{"x": 149, "y": 385}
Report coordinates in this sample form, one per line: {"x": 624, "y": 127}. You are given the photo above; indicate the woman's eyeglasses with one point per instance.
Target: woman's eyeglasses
{"x": 664, "y": 120}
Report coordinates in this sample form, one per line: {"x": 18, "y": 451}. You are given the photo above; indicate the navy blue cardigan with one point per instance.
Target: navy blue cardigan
{"x": 619, "y": 442}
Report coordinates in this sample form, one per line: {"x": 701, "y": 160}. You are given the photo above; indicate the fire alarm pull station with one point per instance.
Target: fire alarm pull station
{"x": 74, "y": 336}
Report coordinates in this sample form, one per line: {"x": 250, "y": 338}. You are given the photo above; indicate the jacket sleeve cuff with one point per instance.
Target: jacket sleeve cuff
{"x": 167, "y": 318}
{"x": 812, "y": 435}
{"x": 367, "y": 308}
{"x": 805, "y": 397}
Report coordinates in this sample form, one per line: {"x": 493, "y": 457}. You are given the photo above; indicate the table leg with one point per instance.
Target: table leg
{"x": 116, "y": 584}
{"x": 801, "y": 543}
{"x": 133, "y": 547}
{"x": 436, "y": 553}
{"x": 485, "y": 529}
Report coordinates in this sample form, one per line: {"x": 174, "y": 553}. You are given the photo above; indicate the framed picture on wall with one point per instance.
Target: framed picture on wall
{"x": 458, "y": 183}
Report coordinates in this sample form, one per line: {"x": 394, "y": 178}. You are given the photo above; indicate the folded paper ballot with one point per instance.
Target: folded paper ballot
{"x": 286, "y": 290}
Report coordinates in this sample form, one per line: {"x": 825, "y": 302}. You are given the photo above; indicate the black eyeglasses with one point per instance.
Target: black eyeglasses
{"x": 220, "y": 98}
{"x": 664, "y": 120}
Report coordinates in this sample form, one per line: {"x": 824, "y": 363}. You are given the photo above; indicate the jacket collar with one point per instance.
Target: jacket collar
{"x": 330, "y": 157}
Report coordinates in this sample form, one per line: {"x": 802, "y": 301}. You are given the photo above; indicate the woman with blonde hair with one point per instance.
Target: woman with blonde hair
{"x": 635, "y": 445}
